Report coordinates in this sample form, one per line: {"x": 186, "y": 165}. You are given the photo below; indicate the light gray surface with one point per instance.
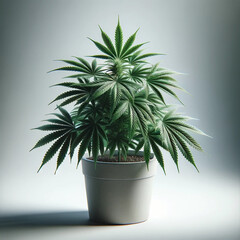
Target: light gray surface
{"x": 201, "y": 39}
{"x": 196, "y": 206}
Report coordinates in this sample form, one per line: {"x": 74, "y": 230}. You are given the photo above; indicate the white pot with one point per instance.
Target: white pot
{"x": 118, "y": 192}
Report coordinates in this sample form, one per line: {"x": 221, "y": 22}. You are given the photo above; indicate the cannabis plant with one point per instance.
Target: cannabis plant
{"x": 118, "y": 106}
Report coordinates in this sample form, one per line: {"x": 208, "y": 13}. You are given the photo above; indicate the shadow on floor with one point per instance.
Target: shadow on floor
{"x": 74, "y": 218}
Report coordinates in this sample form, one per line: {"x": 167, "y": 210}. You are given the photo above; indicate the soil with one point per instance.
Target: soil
{"x": 115, "y": 159}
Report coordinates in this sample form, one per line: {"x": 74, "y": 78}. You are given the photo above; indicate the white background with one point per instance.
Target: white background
{"x": 201, "y": 39}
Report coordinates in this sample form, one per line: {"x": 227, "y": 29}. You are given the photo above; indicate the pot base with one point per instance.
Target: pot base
{"x": 115, "y": 223}
{"x": 118, "y": 193}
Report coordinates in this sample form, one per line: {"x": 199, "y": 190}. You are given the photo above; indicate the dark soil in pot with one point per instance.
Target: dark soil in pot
{"x": 130, "y": 158}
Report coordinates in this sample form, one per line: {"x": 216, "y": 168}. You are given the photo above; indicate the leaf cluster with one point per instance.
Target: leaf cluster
{"x": 118, "y": 105}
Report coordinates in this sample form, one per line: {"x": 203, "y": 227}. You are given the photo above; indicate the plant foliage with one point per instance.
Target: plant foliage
{"x": 119, "y": 105}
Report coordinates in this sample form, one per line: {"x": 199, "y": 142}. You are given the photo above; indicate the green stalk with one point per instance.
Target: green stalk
{"x": 119, "y": 155}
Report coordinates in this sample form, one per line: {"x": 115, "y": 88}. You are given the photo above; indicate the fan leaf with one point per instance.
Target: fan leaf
{"x": 52, "y": 151}
{"x": 118, "y": 38}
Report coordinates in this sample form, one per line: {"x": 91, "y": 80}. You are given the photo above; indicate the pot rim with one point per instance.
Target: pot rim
{"x": 117, "y": 163}
{"x": 131, "y": 153}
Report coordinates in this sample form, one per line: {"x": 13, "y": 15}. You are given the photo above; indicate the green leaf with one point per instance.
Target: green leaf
{"x": 100, "y": 56}
{"x": 132, "y": 120}
{"x": 102, "y": 48}
{"x": 100, "y": 91}
{"x": 158, "y": 154}
{"x": 139, "y": 146}
{"x": 157, "y": 92}
{"x": 108, "y": 42}
{"x": 95, "y": 145}
{"x": 167, "y": 136}
{"x": 89, "y": 148}
{"x": 169, "y": 91}
{"x": 63, "y": 118}
{"x": 60, "y": 122}
{"x": 65, "y": 95}
{"x": 128, "y": 43}
{"x": 112, "y": 149}
{"x": 102, "y": 132}
{"x": 94, "y": 64}
{"x": 77, "y": 64}
{"x": 70, "y": 100}
{"x": 63, "y": 152}
{"x": 52, "y": 127}
{"x": 191, "y": 128}
{"x": 101, "y": 145}
{"x": 78, "y": 139}
{"x": 146, "y": 152}
{"x": 52, "y": 151}
{"x": 132, "y": 49}
{"x": 148, "y": 55}
{"x": 120, "y": 111}
{"x": 72, "y": 148}
{"x": 83, "y": 146}
{"x": 141, "y": 122}
{"x": 186, "y": 137}
{"x": 65, "y": 114}
{"x": 173, "y": 151}
{"x": 118, "y": 38}
{"x": 185, "y": 151}
{"x": 49, "y": 138}
{"x": 67, "y": 84}
{"x": 86, "y": 65}
{"x": 70, "y": 68}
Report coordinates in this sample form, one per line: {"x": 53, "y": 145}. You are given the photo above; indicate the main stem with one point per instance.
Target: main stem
{"x": 119, "y": 155}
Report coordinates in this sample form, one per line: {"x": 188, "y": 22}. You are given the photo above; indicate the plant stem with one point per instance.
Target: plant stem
{"x": 119, "y": 155}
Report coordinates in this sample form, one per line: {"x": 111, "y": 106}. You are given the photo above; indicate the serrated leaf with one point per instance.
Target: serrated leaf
{"x": 66, "y": 84}
{"x": 186, "y": 137}
{"x": 52, "y": 127}
{"x": 185, "y": 151}
{"x": 60, "y": 122}
{"x": 70, "y": 68}
{"x": 100, "y": 91}
{"x": 77, "y": 140}
{"x": 85, "y": 64}
{"x": 100, "y": 56}
{"x": 102, "y": 48}
{"x": 141, "y": 122}
{"x": 65, "y": 95}
{"x": 52, "y": 151}
{"x": 76, "y": 64}
{"x": 101, "y": 145}
{"x": 108, "y": 42}
{"x": 120, "y": 111}
{"x": 83, "y": 146}
{"x": 94, "y": 64}
{"x": 65, "y": 114}
{"x": 148, "y": 55}
{"x": 95, "y": 145}
{"x": 158, "y": 154}
{"x": 158, "y": 93}
{"x": 128, "y": 43}
{"x": 63, "y": 152}
{"x": 146, "y": 152}
{"x": 70, "y": 100}
{"x": 118, "y": 38}
{"x": 139, "y": 146}
{"x": 49, "y": 138}
{"x": 132, "y": 49}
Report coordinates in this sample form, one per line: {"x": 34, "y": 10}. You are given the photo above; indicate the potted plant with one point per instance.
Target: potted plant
{"x": 118, "y": 110}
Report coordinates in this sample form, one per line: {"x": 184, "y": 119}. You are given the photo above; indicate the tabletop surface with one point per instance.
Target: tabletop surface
{"x": 203, "y": 208}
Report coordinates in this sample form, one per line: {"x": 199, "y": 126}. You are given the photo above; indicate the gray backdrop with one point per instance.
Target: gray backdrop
{"x": 200, "y": 38}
